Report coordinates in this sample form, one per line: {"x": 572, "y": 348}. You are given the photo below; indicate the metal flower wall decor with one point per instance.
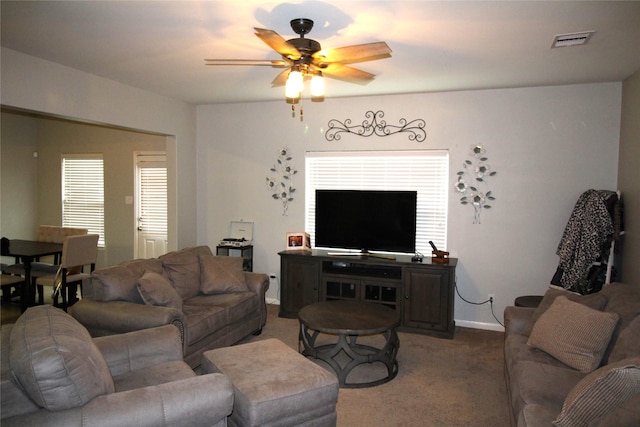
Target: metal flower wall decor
{"x": 474, "y": 174}
{"x": 280, "y": 184}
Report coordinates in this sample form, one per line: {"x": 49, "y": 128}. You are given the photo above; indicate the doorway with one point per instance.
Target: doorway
{"x": 151, "y": 230}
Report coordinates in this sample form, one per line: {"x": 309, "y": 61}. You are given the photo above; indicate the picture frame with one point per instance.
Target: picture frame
{"x": 298, "y": 241}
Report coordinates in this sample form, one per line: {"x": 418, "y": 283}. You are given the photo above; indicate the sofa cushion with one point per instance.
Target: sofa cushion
{"x": 236, "y": 306}
{"x": 533, "y": 383}
{"x": 55, "y": 360}
{"x": 627, "y": 342}
{"x": 516, "y": 350}
{"x": 183, "y": 268}
{"x": 221, "y": 274}
{"x": 156, "y": 290}
{"x": 119, "y": 283}
{"x": 574, "y": 333}
{"x": 202, "y": 321}
{"x": 622, "y": 299}
{"x": 596, "y": 301}
{"x": 600, "y": 392}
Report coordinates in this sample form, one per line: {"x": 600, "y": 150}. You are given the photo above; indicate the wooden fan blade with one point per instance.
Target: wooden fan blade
{"x": 348, "y": 74}
{"x": 277, "y": 43}
{"x": 354, "y": 53}
{"x": 281, "y": 79}
{"x": 275, "y": 63}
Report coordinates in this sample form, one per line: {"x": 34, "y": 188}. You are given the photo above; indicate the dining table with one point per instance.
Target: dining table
{"x": 26, "y": 252}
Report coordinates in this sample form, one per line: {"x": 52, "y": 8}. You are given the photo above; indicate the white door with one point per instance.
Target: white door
{"x": 151, "y": 205}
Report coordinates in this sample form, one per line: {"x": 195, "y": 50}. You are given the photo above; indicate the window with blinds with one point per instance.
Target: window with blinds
{"x": 152, "y": 190}
{"x": 426, "y": 172}
{"x": 83, "y": 193}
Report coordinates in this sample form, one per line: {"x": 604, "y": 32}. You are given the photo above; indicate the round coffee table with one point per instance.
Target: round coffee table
{"x": 350, "y": 320}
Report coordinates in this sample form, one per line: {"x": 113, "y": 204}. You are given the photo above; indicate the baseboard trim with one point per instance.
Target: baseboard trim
{"x": 479, "y": 325}
{"x": 462, "y": 323}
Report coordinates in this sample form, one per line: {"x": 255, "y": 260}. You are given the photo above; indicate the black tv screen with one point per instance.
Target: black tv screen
{"x": 366, "y": 220}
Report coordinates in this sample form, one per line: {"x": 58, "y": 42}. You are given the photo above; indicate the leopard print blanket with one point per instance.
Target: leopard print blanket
{"x": 589, "y": 229}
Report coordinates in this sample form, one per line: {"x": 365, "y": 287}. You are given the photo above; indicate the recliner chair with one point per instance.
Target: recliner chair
{"x": 55, "y": 374}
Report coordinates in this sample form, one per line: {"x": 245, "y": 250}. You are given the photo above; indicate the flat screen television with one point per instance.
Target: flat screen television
{"x": 366, "y": 220}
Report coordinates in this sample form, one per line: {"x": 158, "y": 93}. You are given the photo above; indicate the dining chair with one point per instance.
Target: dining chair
{"x": 55, "y": 234}
{"x": 50, "y": 234}
{"x": 77, "y": 252}
{"x": 9, "y": 282}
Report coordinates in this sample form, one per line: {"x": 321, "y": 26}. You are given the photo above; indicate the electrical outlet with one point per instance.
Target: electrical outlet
{"x": 492, "y": 298}
{"x": 272, "y": 276}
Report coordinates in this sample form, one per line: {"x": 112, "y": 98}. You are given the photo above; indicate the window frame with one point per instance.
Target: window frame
{"x": 425, "y": 171}
{"x": 90, "y": 192}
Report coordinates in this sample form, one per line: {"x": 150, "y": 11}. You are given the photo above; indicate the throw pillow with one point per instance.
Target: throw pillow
{"x": 183, "y": 268}
{"x": 156, "y": 290}
{"x": 118, "y": 283}
{"x": 55, "y": 361}
{"x": 600, "y": 392}
{"x": 222, "y": 274}
{"x": 596, "y": 301}
{"x": 574, "y": 333}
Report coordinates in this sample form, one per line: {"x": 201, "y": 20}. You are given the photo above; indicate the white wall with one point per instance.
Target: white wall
{"x": 547, "y": 144}
{"x": 34, "y": 84}
{"x": 628, "y": 177}
{"x": 18, "y": 177}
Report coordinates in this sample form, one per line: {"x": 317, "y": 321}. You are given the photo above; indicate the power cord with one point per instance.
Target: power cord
{"x": 490, "y": 301}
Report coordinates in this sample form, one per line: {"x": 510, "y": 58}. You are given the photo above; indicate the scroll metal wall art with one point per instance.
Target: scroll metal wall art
{"x": 475, "y": 173}
{"x": 374, "y": 124}
{"x": 280, "y": 184}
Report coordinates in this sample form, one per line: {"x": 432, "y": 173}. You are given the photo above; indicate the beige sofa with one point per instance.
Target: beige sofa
{"x": 54, "y": 374}
{"x": 575, "y": 360}
{"x": 209, "y": 298}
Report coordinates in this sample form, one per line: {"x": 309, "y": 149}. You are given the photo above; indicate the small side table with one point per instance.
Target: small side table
{"x": 532, "y": 301}
{"x": 246, "y": 252}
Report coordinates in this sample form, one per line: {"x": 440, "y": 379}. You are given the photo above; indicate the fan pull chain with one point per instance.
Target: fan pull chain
{"x": 293, "y": 112}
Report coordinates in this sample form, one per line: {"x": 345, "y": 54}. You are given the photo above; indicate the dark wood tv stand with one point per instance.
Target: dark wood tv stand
{"x": 421, "y": 293}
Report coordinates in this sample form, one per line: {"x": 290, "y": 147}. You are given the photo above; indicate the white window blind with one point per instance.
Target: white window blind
{"x": 152, "y": 182}
{"x": 424, "y": 171}
{"x": 83, "y": 193}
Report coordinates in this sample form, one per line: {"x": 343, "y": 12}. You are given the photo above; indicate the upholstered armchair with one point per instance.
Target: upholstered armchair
{"x": 55, "y": 374}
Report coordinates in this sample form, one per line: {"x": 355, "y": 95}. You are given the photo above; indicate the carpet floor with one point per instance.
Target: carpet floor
{"x": 441, "y": 382}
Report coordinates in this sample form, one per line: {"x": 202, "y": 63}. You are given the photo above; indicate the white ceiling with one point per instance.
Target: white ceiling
{"x": 160, "y": 46}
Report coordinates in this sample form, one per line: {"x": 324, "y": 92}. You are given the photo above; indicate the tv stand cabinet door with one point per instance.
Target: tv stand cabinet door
{"x": 428, "y": 301}
{"x": 300, "y": 284}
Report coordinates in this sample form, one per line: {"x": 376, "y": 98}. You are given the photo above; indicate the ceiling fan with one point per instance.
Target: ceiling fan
{"x": 304, "y": 59}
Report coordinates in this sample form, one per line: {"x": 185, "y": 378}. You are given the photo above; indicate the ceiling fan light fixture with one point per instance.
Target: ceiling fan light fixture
{"x": 294, "y": 85}
{"x": 317, "y": 87}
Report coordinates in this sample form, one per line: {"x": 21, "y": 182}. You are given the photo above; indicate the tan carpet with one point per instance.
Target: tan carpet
{"x": 441, "y": 382}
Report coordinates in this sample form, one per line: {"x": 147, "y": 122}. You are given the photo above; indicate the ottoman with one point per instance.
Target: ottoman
{"x": 274, "y": 385}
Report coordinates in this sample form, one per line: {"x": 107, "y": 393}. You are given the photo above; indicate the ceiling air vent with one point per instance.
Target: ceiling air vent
{"x": 572, "y": 39}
